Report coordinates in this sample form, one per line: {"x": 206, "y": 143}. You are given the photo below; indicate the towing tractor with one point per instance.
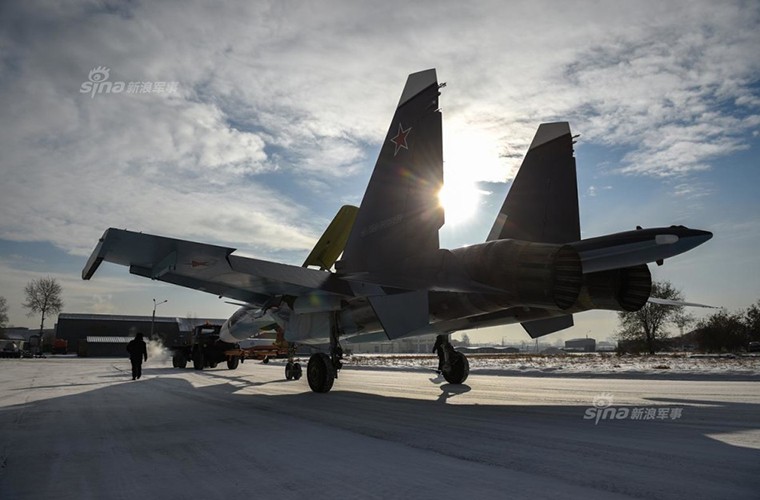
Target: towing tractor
{"x": 205, "y": 350}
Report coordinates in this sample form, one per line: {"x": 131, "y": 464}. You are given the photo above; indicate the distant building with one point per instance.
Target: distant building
{"x": 103, "y": 347}
{"x": 104, "y": 334}
{"x": 28, "y": 339}
{"x": 497, "y": 349}
{"x": 422, "y": 344}
{"x": 580, "y": 345}
{"x": 19, "y": 333}
{"x": 606, "y": 346}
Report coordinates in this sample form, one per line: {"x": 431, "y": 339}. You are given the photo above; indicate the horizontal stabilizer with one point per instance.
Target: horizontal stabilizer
{"x": 541, "y": 327}
{"x": 631, "y": 248}
{"x": 401, "y": 313}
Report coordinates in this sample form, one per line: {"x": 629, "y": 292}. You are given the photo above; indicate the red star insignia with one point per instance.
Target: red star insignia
{"x": 400, "y": 139}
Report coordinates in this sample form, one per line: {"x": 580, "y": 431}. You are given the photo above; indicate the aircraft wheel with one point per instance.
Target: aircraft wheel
{"x": 232, "y": 362}
{"x": 297, "y": 371}
{"x": 457, "y": 371}
{"x": 265, "y": 360}
{"x": 289, "y": 371}
{"x": 181, "y": 360}
{"x": 198, "y": 359}
{"x": 320, "y": 372}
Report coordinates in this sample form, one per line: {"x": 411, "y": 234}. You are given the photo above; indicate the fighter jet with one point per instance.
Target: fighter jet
{"x": 392, "y": 279}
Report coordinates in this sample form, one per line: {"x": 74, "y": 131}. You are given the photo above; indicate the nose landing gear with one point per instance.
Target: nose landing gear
{"x": 293, "y": 369}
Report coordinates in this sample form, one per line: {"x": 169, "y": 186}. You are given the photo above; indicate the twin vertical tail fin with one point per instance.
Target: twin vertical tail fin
{"x": 542, "y": 204}
{"x": 400, "y": 216}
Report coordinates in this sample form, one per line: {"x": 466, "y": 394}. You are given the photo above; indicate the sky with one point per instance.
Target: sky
{"x": 249, "y": 124}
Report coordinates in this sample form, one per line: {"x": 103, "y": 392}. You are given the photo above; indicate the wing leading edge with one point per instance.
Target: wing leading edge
{"x": 209, "y": 268}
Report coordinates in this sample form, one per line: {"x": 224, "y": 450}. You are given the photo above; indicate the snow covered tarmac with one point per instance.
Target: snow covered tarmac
{"x": 80, "y": 428}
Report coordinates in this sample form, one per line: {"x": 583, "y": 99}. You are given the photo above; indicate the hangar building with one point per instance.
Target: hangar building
{"x": 107, "y": 335}
{"x": 580, "y": 345}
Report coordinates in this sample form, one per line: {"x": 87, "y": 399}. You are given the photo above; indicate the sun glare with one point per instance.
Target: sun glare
{"x": 459, "y": 201}
{"x": 471, "y": 155}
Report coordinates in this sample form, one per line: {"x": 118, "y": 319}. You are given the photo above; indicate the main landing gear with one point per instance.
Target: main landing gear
{"x": 323, "y": 369}
{"x": 456, "y": 368}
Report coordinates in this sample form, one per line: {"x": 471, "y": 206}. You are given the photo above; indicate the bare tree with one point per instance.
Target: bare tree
{"x": 3, "y": 312}
{"x": 722, "y": 331}
{"x": 648, "y": 324}
{"x": 43, "y": 296}
{"x": 752, "y": 321}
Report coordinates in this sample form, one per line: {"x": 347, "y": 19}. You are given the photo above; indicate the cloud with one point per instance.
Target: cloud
{"x": 94, "y": 296}
{"x": 691, "y": 190}
{"x": 593, "y": 190}
{"x": 302, "y": 94}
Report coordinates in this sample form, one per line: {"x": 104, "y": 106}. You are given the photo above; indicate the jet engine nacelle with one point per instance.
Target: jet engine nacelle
{"x": 626, "y": 289}
{"x": 526, "y": 273}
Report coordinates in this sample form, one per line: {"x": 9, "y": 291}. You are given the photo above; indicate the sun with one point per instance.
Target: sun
{"x": 459, "y": 199}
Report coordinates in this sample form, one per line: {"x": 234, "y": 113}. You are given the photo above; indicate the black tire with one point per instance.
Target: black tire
{"x": 213, "y": 364}
{"x": 181, "y": 361}
{"x": 297, "y": 371}
{"x": 198, "y": 359}
{"x": 458, "y": 370}
{"x": 289, "y": 371}
{"x": 265, "y": 360}
{"x": 320, "y": 373}
{"x": 232, "y": 362}
{"x": 174, "y": 362}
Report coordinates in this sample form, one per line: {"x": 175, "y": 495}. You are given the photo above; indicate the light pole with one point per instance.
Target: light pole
{"x": 153, "y": 318}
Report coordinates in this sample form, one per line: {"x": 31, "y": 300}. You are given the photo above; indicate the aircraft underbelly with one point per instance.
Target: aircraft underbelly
{"x": 360, "y": 320}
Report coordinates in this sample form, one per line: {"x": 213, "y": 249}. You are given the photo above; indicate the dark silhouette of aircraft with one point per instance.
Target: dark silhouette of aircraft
{"x": 393, "y": 280}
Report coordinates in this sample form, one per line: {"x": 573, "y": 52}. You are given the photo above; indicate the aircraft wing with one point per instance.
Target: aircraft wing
{"x": 208, "y": 268}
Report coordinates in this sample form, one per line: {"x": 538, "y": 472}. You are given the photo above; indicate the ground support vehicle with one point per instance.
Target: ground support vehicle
{"x": 205, "y": 350}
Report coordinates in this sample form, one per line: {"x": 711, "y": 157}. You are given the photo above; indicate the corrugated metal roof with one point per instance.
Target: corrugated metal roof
{"x": 187, "y": 324}
{"x": 114, "y": 317}
{"x": 108, "y": 340}
{"x": 184, "y": 324}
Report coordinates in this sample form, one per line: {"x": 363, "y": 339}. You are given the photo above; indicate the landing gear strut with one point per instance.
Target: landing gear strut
{"x": 323, "y": 369}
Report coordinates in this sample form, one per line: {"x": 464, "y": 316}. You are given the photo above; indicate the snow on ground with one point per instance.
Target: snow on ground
{"x": 598, "y": 364}
{"x": 74, "y": 428}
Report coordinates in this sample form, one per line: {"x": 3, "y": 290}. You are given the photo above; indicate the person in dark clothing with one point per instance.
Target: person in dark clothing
{"x": 137, "y": 353}
{"x": 440, "y": 342}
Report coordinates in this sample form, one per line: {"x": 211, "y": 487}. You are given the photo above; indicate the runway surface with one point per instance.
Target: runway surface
{"x": 81, "y": 428}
